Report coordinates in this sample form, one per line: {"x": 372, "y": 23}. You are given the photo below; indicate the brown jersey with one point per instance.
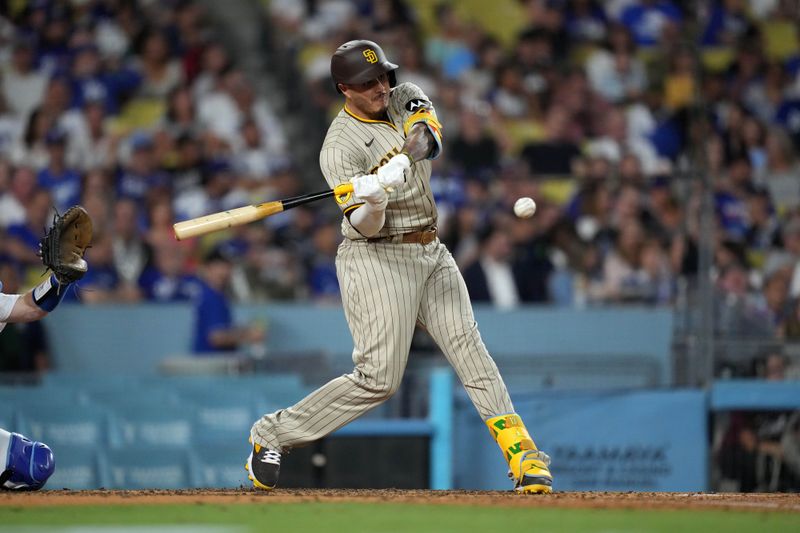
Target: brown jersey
{"x": 355, "y": 146}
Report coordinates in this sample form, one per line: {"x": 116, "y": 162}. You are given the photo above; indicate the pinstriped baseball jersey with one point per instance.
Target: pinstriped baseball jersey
{"x": 387, "y": 289}
{"x": 356, "y": 146}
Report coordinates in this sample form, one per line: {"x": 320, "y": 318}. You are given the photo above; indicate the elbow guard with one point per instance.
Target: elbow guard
{"x": 425, "y": 116}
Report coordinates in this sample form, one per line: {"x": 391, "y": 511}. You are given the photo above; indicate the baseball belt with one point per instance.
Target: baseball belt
{"x": 425, "y": 236}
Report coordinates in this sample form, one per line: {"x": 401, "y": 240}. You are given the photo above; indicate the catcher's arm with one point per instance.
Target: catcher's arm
{"x": 61, "y": 251}
{"x": 23, "y": 308}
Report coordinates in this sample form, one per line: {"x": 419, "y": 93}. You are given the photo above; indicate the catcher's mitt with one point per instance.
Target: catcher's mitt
{"x": 63, "y": 246}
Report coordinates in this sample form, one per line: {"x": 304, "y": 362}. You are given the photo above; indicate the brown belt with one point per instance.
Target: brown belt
{"x": 417, "y": 237}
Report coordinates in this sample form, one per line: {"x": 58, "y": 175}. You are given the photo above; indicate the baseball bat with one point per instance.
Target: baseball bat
{"x": 250, "y": 213}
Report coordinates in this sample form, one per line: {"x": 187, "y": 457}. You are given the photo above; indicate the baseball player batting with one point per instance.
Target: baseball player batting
{"x": 394, "y": 273}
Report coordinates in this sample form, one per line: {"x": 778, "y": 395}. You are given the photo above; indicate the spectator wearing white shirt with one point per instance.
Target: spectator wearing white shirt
{"x": 615, "y": 72}
{"x": 22, "y": 85}
{"x": 492, "y": 277}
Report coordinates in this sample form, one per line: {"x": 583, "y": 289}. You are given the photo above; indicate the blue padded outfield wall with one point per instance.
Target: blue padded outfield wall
{"x": 622, "y": 441}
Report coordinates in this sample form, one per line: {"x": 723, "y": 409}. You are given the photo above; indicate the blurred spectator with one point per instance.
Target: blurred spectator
{"x": 140, "y": 179}
{"x": 64, "y": 183}
{"x": 416, "y": 71}
{"x": 180, "y": 119}
{"x": 448, "y": 49}
{"x": 474, "y": 150}
{"x": 623, "y": 278}
{"x": 101, "y": 284}
{"x": 130, "y": 252}
{"x": 585, "y": 21}
{"x": 214, "y": 329}
{"x": 214, "y": 62}
{"x": 253, "y": 160}
{"x": 615, "y": 141}
{"x": 322, "y": 279}
{"x": 18, "y": 194}
{"x": 160, "y": 72}
{"x": 164, "y": 280}
{"x": 219, "y": 192}
{"x": 555, "y": 153}
{"x": 782, "y": 171}
{"x": 222, "y": 112}
{"x": 188, "y": 164}
{"x": 614, "y": 71}
{"x": 776, "y": 298}
{"x": 29, "y": 149}
{"x": 22, "y": 84}
{"x": 492, "y": 278}
{"x": 92, "y": 82}
{"x": 22, "y": 242}
{"x": 727, "y": 22}
{"x": 93, "y": 144}
{"x": 652, "y": 21}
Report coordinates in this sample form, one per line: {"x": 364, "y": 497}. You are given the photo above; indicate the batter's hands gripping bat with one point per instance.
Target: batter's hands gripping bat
{"x": 251, "y": 213}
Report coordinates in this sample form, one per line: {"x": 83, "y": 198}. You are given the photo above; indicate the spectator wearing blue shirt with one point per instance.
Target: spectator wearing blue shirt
{"x": 63, "y": 183}
{"x": 214, "y": 330}
{"x": 102, "y": 283}
{"x": 727, "y": 22}
{"x": 649, "y": 20}
{"x": 164, "y": 281}
{"x": 322, "y": 277}
{"x": 22, "y": 240}
{"x": 89, "y": 81}
{"x": 585, "y": 21}
{"x": 141, "y": 179}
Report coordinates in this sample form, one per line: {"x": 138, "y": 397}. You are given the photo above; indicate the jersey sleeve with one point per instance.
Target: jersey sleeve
{"x": 411, "y": 106}
{"x": 7, "y": 302}
{"x": 338, "y": 166}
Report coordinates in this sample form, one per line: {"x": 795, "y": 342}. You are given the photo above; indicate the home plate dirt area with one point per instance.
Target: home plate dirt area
{"x": 584, "y": 500}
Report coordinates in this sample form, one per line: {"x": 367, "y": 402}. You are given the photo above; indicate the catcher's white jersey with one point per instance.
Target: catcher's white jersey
{"x": 356, "y": 146}
{"x": 7, "y": 302}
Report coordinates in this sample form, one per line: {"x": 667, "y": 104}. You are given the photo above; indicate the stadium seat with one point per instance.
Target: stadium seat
{"x": 91, "y": 383}
{"x": 32, "y": 397}
{"x": 64, "y": 425}
{"x": 149, "y": 467}
{"x": 149, "y": 424}
{"x": 223, "y": 416}
{"x": 78, "y": 468}
{"x": 222, "y": 466}
{"x": 134, "y": 396}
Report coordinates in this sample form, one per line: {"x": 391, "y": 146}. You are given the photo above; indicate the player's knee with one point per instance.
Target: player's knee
{"x": 381, "y": 382}
{"x": 29, "y": 465}
{"x": 382, "y": 389}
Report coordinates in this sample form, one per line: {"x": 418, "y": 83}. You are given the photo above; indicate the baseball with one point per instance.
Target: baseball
{"x": 525, "y": 207}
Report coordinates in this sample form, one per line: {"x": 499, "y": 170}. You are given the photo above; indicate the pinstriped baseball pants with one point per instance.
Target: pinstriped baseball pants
{"x": 386, "y": 288}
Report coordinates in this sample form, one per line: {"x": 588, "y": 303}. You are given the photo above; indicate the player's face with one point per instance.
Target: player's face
{"x": 370, "y": 99}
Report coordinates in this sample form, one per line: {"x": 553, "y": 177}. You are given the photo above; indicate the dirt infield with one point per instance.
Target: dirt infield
{"x": 585, "y": 500}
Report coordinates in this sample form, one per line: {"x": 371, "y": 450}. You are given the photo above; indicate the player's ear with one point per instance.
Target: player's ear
{"x": 342, "y": 88}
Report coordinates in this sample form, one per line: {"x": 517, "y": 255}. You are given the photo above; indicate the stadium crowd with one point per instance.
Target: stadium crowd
{"x": 138, "y": 111}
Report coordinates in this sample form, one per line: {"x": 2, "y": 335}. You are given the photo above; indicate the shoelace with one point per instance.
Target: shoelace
{"x": 271, "y": 457}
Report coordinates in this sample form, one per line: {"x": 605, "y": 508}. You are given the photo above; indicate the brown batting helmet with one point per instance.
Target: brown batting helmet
{"x": 359, "y": 62}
